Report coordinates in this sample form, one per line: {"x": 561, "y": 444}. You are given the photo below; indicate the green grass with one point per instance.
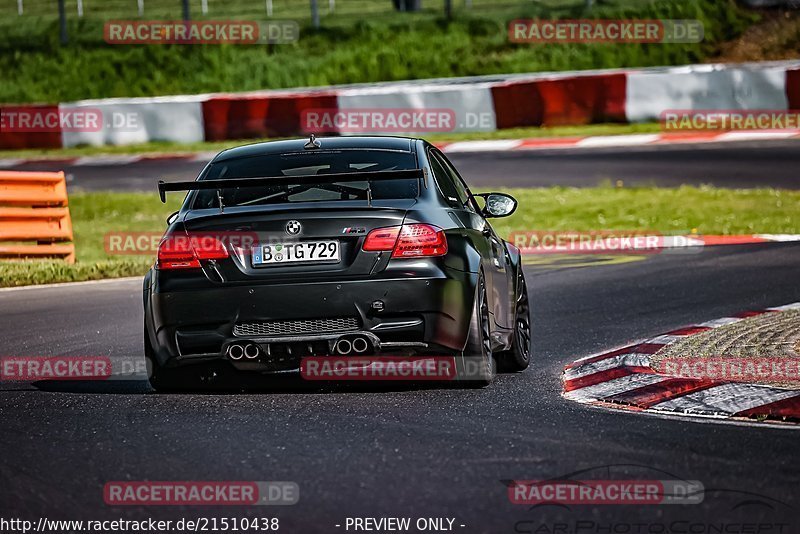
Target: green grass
{"x": 216, "y": 146}
{"x": 96, "y": 214}
{"x": 351, "y": 47}
{"x": 708, "y": 210}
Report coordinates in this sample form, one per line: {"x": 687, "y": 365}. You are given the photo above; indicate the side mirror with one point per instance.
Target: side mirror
{"x": 173, "y": 217}
{"x": 498, "y": 204}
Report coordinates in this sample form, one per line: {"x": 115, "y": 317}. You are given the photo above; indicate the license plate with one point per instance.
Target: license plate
{"x": 297, "y": 252}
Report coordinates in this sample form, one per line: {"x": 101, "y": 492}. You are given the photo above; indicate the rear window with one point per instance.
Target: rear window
{"x": 323, "y": 163}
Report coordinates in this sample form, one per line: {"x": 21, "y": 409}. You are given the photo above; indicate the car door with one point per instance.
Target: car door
{"x": 497, "y": 261}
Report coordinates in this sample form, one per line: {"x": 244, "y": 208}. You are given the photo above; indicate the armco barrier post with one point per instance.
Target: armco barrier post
{"x": 793, "y": 88}
{"x": 33, "y": 208}
{"x": 14, "y": 134}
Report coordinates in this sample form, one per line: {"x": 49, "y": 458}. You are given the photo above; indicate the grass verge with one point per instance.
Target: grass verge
{"x": 708, "y": 210}
{"x": 216, "y": 146}
{"x": 745, "y": 345}
{"x": 349, "y": 48}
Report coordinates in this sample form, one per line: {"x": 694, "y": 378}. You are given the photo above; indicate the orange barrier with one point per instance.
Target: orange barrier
{"x": 33, "y": 207}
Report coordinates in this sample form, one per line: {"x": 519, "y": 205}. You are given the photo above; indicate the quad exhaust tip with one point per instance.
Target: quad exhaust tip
{"x": 358, "y": 345}
{"x": 344, "y": 347}
{"x": 251, "y": 351}
{"x": 236, "y": 352}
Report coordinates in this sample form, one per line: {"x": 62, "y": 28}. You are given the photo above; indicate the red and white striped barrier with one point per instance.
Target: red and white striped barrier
{"x": 706, "y": 87}
{"x": 612, "y": 141}
{"x": 624, "y": 378}
{"x": 477, "y": 104}
{"x": 263, "y": 114}
{"x": 492, "y": 145}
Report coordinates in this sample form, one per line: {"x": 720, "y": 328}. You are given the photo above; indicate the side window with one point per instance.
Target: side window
{"x": 464, "y": 196}
{"x": 444, "y": 181}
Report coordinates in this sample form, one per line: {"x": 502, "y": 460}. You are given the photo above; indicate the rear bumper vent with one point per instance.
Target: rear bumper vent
{"x": 295, "y": 328}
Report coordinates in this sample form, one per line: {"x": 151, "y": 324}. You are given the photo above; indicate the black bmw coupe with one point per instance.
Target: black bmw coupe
{"x": 336, "y": 247}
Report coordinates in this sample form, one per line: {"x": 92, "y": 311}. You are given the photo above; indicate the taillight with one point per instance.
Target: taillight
{"x": 185, "y": 252}
{"x": 420, "y": 240}
{"x": 408, "y": 241}
{"x": 381, "y": 239}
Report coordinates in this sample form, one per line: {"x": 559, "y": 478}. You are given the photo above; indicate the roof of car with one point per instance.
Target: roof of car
{"x": 325, "y": 143}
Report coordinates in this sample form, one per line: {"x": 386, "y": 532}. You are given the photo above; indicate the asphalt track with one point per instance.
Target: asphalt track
{"x": 744, "y": 164}
{"x": 437, "y": 452}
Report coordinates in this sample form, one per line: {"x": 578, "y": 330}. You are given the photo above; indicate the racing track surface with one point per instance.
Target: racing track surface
{"x": 731, "y": 164}
{"x": 407, "y": 452}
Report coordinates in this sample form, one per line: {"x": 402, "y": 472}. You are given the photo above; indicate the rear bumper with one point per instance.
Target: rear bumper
{"x": 193, "y": 320}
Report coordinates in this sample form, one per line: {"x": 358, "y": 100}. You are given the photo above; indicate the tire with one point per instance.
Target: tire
{"x": 518, "y": 357}
{"x": 198, "y": 377}
{"x": 161, "y": 379}
{"x": 478, "y": 365}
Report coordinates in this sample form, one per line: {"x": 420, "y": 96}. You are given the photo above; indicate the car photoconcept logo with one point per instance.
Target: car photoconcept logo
{"x": 293, "y": 227}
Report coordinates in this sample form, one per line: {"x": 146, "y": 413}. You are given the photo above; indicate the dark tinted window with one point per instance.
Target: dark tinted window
{"x": 322, "y": 163}
{"x": 464, "y": 196}
{"x": 450, "y": 183}
{"x": 444, "y": 181}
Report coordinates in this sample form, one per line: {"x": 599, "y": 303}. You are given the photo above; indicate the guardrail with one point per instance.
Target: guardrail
{"x": 477, "y": 104}
{"x": 33, "y": 208}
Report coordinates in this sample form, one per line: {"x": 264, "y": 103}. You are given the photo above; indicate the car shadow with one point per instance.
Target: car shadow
{"x": 261, "y": 385}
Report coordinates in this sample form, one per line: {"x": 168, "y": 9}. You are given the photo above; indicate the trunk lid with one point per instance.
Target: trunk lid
{"x": 247, "y": 229}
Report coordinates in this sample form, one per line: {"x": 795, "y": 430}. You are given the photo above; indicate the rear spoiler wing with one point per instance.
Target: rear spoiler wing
{"x": 228, "y": 183}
